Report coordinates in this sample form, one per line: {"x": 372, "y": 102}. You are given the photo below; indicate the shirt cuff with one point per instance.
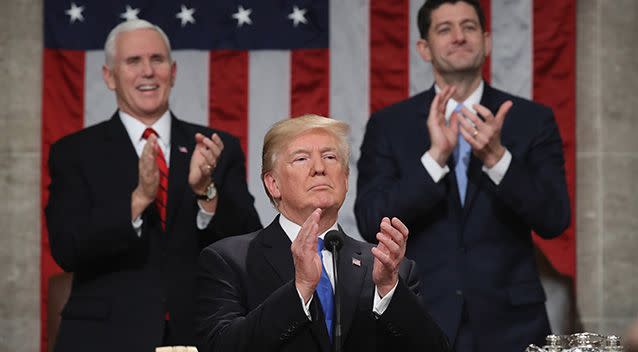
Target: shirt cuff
{"x": 137, "y": 225}
{"x": 305, "y": 306}
{"x": 381, "y": 304}
{"x": 203, "y": 217}
{"x": 433, "y": 168}
{"x": 497, "y": 172}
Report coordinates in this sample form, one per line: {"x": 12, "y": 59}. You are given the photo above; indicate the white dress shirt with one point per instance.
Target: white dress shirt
{"x": 291, "y": 229}
{"x": 135, "y": 129}
{"x": 495, "y": 173}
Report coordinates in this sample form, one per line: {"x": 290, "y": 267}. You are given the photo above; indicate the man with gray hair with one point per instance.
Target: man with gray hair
{"x": 272, "y": 290}
{"x": 132, "y": 202}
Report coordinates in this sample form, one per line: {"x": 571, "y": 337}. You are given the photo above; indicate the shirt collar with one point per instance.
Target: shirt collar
{"x": 292, "y": 230}
{"x": 135, "y": 128}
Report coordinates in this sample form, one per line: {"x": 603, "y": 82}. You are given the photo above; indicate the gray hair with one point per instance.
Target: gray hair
{"x": 127, "y": 26}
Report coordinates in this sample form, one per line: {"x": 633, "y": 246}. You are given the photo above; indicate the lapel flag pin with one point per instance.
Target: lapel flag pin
{"x": 183, "y": 149}
{"x": 356, "y": 262}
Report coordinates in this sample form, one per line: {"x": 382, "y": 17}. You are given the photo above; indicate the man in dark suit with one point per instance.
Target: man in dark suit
{"x": 472, "y": 171}
{"x": 272, "y": 290}
{"x": 132, "y": 202}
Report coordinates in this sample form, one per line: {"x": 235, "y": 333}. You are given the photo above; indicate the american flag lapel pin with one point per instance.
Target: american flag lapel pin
{"x": 356, "y": 262}
{"x": 183, "y": 149}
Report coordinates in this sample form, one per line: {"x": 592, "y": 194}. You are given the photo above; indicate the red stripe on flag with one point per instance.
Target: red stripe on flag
{"x": 486, "y": 5}
{"x": 310, "y": 82}
{"x": 228, "y": 93}
{"x": 389, "y": 53}
{"x": 555, "y": 86}
{"x": 62, "y": 114}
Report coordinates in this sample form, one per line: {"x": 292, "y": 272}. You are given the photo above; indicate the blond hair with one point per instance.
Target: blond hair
{"x": 287, "y": 130}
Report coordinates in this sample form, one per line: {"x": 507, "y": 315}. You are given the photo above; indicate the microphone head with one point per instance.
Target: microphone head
{"x": 334, "y": 240}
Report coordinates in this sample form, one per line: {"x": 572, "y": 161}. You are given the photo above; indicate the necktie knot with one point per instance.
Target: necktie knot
{"x": 148, "y": 132}
{"x": 320, "y": 245}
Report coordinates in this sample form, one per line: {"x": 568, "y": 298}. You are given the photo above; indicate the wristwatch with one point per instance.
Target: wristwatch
{"x": 211, "y": 193}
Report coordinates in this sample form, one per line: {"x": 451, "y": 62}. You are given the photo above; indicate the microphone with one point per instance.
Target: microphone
{"x": 333, "y": 241}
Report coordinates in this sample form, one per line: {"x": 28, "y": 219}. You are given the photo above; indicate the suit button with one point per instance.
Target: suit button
{"x": 459, "y": 293}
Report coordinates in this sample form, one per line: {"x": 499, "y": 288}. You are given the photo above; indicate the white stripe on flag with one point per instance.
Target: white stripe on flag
{"x": 421, "y": 77}
{"x": 511, "y": 68}
{"x": 268, "y": 102}
{"x": 189, "y": 97}
{"x": 349, "y": 86}
{"x": 99, "y": 101}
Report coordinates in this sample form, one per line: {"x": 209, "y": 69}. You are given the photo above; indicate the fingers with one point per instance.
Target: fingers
{"x": 489, "y": 117}
{"x": 399, "y": 225}
{"x": 437, "y": 108}
{"x": 308, "y": 234}
{"x": 503, "y": 110}
{"x": 392, "y": 239}
{"x": 210, "y": 149}
{"x": 448, "y": 93}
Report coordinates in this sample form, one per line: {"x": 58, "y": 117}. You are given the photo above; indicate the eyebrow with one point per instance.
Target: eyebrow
{"x": 464, "y": 21}
{"x": 306, "y": 151}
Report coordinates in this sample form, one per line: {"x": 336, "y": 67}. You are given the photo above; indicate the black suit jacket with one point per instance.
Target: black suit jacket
{"x": 124, "y": 284}
{"x": 247, "y": 301}
{"x": 480, "y": 255}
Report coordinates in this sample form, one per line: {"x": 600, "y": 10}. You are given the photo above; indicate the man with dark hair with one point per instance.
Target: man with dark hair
{"x": 472, "y": 170}
{"x": 132, "y": 202}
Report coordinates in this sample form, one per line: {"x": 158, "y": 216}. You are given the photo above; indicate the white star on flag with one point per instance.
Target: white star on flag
{"x": 75, "y": 13}
{"x": 242, "y": 16}
{"x": 298, "y": 16}
{"x": 130, "y": 13}
{"x": 186, "y": 15}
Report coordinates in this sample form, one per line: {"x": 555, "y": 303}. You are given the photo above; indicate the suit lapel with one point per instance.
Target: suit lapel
{"x": 275, "y": 246}
{"x": 276, "y": 250}
{"x": 119, "y": 144}
{"x": 178, "y": 168}
{"x": 352, "y": 272}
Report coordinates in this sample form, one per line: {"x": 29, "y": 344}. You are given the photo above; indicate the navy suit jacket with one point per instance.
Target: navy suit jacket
{"x": 480, "y": 255}
{"x": 247, "y": 301}
{"x": 124, "y": 284}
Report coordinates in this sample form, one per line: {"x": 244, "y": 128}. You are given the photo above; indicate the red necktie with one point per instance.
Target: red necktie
{"x": 162, "y": 191}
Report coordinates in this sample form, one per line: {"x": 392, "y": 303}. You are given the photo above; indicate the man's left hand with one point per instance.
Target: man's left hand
{"x": 389, "y": 254}
{"x": 484, "y": 135}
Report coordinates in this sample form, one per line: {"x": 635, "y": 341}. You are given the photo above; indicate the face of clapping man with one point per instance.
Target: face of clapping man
{"x": 455, "y": 42}
{"x": 309, "y": 173}
{"x": 141, "y": 74}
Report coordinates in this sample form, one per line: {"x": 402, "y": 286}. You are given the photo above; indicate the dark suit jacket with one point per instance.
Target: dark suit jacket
{"x": 480, "y": 255}
{"x": 123, "y": 284}
{"x": 247, "y": 301}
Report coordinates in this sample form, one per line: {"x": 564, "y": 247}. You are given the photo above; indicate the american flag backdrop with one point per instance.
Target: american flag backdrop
{"x": 244, "y": 64}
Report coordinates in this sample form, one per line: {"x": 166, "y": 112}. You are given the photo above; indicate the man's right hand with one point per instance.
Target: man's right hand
{"x": 308, "y": 265}
{"x": 148, "y": 178}
{"x": 443, "y": 136}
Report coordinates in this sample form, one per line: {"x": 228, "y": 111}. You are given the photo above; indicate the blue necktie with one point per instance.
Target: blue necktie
{"x": 324, "y": 291}
{"x": 461, "y": 160}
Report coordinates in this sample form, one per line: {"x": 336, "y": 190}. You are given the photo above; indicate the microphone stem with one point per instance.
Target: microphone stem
{"x": 337, "y": 301}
